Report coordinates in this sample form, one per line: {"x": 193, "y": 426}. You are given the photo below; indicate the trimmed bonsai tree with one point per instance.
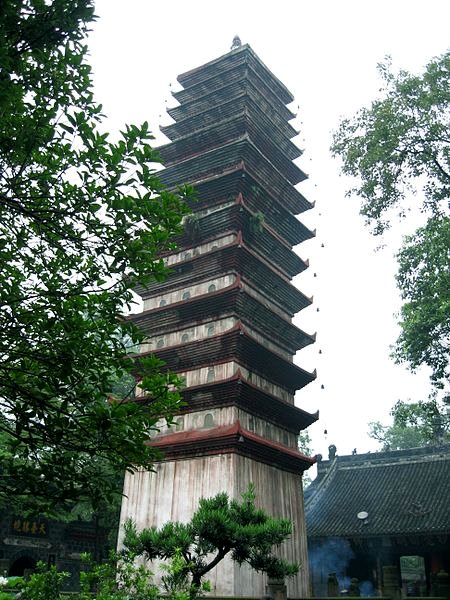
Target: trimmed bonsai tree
{"x": 219, "y": 527}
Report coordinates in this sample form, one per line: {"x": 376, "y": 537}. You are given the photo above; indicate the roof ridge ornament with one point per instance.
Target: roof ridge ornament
{"x": 417, "y": 509}
{"x": 236, "y": 43}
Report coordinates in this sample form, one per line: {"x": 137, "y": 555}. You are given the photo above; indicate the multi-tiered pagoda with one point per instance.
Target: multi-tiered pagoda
{"x": 223, "y": 319}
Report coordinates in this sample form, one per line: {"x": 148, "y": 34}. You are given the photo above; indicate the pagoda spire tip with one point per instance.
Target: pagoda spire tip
{"x": 236, "y": 43}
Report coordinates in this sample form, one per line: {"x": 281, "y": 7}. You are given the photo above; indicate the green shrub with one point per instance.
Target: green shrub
{"x": 44, "y": 584}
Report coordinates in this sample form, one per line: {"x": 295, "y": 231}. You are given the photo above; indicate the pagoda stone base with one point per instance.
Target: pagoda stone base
{"x": 173, "y": 491}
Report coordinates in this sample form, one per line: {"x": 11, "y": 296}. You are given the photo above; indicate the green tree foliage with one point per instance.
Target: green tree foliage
{"x": 424, "y": 282}
{"x": 45, "y": 583}
{"x": 11, "y": 584}
{"x": 118, "y": 578}
{"x": 399, "y": 151}
{"x": 82, "y": 221}
{"x": 415, "y": 424}
{"x": 176, "y": 579}
{"x": 115, "y": 579}
{"x": 219, "y": 527}
{"x": 304, "y": 445}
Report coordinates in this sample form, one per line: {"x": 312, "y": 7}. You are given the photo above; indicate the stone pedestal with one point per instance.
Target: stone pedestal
{"x": 276, "y": 590}
{"x": 332, "y": 586}
{"x": 391, "y": 585}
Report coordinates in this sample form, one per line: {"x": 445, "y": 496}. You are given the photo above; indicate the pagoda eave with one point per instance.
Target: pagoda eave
{"x": 226, "y": 131}
{"x": 239, "y": 219}
{"x": 228, "y": 302}
{"x": 243, "y": 54}
{"x": 219, "y": 188}
{"x": 233, "y": 75}
{"x": 235, "y": 345}
{"x": 233, "y": 258}
{"x": 261, "y": 125}
{"x": 239, "y": 392}
{"x": 233, "y": 154}
{"x": 245, "y": 102}
{"x": 230, "y": 90}
{"x": 230, "y": 439}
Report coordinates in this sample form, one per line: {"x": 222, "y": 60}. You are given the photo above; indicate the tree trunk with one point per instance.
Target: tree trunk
{"x": 195, "y": 586}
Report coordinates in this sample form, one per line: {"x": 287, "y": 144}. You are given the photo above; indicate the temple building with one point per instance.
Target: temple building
{"x": 27, "y": 540}
{"x": 223, "y": 318}
{"x": 383, "y": 519}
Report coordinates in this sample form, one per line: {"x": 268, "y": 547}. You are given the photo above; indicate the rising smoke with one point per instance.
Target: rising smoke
{"x": 334, "y": 556}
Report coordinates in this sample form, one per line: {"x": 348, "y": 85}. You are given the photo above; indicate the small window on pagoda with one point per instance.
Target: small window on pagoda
{"x": 285, "y": 438}
{"x": 179, "y": 424}
{"x": 268, "y": 431}
{"x": 196, "y": 252}
{"x": 186, "y": 296}
{"x": 210, "y": 330}
{"x": 211, "y": 375}
{"x": 251, "y": 424}
{"x": 162, "y": 302}
{"x": 184, "y": 338}
{"x": 208, "y": 421}
{"x": 186, "y": 256}
{"x": 214, "y": 247}
{"x": 211, "y": 288}
{"x": 160, "y": 343}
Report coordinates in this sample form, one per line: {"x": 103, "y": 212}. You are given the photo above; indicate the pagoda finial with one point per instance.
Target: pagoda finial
{"x": 236, "y": 42}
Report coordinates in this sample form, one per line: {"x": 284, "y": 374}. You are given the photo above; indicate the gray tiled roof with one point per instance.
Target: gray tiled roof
{"x": 404, "y": 492}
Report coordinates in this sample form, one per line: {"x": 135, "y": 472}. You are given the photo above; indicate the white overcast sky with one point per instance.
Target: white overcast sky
{"x": 325, "y": 52}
